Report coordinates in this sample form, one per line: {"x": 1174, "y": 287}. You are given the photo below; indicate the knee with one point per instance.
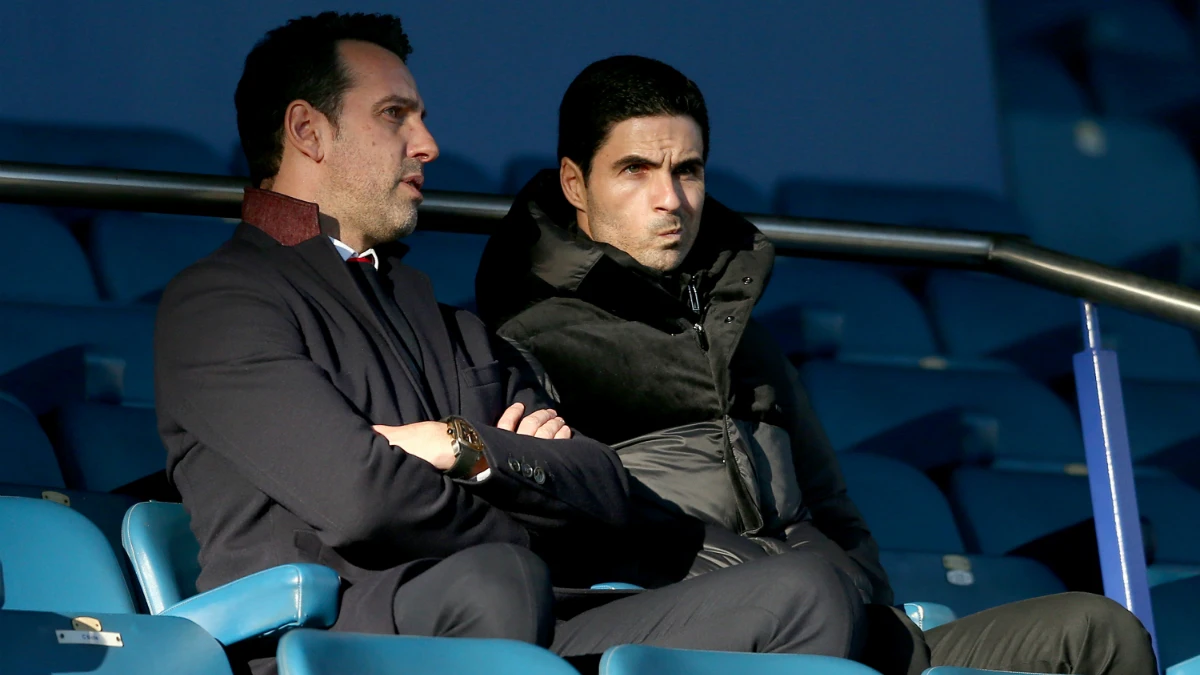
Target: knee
{"x": 509, "y": 588}
{"x": 807, "y": 586}
{"x": 1090, "y": 614}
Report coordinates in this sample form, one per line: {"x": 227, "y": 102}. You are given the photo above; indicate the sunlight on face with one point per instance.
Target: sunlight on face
{"x": 377, "y": 159}
{"x": 645, "y": 191}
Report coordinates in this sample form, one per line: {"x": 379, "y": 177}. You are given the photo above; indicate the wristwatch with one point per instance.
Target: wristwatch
{"x": 467, "y": 446}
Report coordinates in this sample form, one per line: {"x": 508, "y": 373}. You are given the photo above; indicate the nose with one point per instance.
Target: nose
{"x": 668, "y": 195}
{"x": 421, "y": 145}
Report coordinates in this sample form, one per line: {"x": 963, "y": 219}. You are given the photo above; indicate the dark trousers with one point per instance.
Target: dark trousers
{"x": 788, "y": 604}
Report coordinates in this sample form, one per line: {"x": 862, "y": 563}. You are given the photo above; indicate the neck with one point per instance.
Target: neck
{"x": 306, "y": 189}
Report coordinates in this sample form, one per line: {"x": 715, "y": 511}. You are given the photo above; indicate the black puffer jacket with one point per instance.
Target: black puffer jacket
{"x": 703, "y": 407}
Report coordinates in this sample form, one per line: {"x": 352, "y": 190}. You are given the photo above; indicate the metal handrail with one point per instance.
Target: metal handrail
{"x": 1006, "y": 255}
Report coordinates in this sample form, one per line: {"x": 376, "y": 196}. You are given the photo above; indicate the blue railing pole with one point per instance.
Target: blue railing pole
{"x": 1110, "y": 472}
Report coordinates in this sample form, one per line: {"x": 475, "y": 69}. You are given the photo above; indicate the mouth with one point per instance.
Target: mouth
{"x": 675, "y": 233}
{"x": 415, "y": 181}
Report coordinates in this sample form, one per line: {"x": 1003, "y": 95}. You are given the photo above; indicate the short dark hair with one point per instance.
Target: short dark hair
{"x": 615, "y": 89}
{"x": 299, "y": 61}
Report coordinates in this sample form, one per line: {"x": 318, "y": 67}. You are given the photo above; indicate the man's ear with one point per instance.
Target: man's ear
{"x": 574, "y": 187}
{"x": 304, "y": 128}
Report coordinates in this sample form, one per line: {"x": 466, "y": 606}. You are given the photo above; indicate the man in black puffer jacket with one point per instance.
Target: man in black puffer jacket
{"x": 634, "y": 291}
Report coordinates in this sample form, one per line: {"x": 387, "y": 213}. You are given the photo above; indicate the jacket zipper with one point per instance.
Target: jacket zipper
{"x": 693, "y": 294}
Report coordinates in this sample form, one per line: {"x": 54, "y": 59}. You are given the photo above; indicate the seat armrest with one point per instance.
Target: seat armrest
{"x": 616, "y": 586}
{"x": 271, "y": 601}
{"x": 1188, "y": 667}
{"x": 928, "y": 615}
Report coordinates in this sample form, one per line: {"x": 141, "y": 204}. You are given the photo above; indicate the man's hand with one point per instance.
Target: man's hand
{"x": 431, "y": 441}
{"x": 540, "y": 424}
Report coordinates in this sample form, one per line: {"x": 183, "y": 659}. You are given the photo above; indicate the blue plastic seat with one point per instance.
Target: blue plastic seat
{"x": 450, "y": 259}
{"x": 904, "y": 509}
{"x": 311, "y": 652}
{"x": 820, "y": 308}
{"x": 980, "y": 316}
{"x": 921, "y": 548}
{"x": 158, "y": 539}
{"x": 103, "y": 447}
{"x": 55, "y": 560}
{"x": 26, "y": 456}
{"x": 135, "y": 255}
{"x": 735, "y": 191}
{"x": 932, "y": 418}
{"x": 1114, "y": 192}
{"x": 142, "y": 148}
{"x": 1176, "y": 621}
{"x": 919, "y": 206}
{"x": 116, "y": 340}
{"x": 1030, "y": 78}
{"x": 646, "y": 660}
{"x": 48, "y": 267}
{"x": 30, "y": 642}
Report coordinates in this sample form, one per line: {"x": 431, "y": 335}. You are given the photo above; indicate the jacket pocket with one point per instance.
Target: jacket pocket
{"x": 481, "y": 376}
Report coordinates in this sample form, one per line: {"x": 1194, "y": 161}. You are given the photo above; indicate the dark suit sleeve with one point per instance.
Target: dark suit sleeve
{"x": 824, "y": 489}
{"x": 233, "y": 369}
{"x": 547, "y": 484}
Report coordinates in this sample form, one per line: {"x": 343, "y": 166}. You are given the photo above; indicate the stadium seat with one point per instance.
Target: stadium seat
{"x": 49, "y": 266}
{"x": 159, "y": 542}
{"x": 450, "y": 259}
{"x": 932, "y": 418}
{"x": 313, "y": 652}
{"x": 125, "y": 644}
{"x": 54, "y": 560}
{"x": 1176, "y": 622}
{"x": 928, "y": 615}
{"x": 103, "y": 447}
{"x": 142, "y": 148}
{"x": 458, "y": 173}
{"x": 967, "y": 583}
{"x": 26, "y": 456}
{"x": 735, "y": 191}
{"x": 997, "y": 523}
{"x": 1027, "y": 20}
{"x": 135, "y": 255}
{"x": 1115, "y": 192}
{"x": 920, "y": 206}
{"x": 118, "y": 339}
{"x": 979, "y": 316}
{"x": 902, "y": 506}
{"x": 1142, "y": 58}
{"x": 921, "y": 548}
{"x": 1035, "y": 79}
{"x": 1164, "y": 430}
{"x": 820, "y": 308}
{"x": 520, "y": 170}
{"x": 646, "y": 660}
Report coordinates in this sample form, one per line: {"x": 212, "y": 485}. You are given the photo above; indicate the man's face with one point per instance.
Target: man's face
{"x": 376, "y": 161}
{"x": 645, "y": 191}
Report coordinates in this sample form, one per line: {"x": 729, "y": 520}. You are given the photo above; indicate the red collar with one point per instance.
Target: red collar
{"x": 287, "y": 220}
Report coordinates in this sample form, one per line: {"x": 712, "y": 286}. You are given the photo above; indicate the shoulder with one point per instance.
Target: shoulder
{"x": 552, "y": 315}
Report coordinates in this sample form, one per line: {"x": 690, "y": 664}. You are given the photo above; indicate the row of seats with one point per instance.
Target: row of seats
{"x": 66, "y": 584}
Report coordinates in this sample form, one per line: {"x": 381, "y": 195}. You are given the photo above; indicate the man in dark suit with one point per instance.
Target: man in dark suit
{"x": 318, "y": 405}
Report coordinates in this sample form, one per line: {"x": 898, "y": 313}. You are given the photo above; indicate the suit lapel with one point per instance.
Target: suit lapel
{"x": 414, "y": 296}
{"x": 322, "y": 259}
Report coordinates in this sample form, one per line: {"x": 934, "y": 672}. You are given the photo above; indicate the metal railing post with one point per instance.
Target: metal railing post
{"x": 1110, "y": 473}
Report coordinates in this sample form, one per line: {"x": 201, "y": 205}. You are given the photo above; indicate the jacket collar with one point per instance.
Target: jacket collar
{"x": 285, "y": 219}
{"x": 539, "y": 252}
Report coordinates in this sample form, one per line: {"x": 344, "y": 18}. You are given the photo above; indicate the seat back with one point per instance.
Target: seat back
{"x": 54, "y": 559}
{"x": 645, "y": 660}
{"x": 967, "y": 583}
{"x": 49, "y": 266}
{"x": 26, "y": 456}
{"x": 165, "y": 554}
{"x": 903, "y": 508}
{"x": 103, "y": 447}
{"x": 148, "y": 645}
{"x": 314, "y": 652}
{"x": 450, "y": 259}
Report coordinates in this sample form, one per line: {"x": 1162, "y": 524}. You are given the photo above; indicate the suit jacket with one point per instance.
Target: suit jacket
{"x": 271, "y": 367}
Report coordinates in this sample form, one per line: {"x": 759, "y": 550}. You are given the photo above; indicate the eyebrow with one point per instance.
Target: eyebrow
{"x": 404, "y": 102}
{"x": 630, "y": 160}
